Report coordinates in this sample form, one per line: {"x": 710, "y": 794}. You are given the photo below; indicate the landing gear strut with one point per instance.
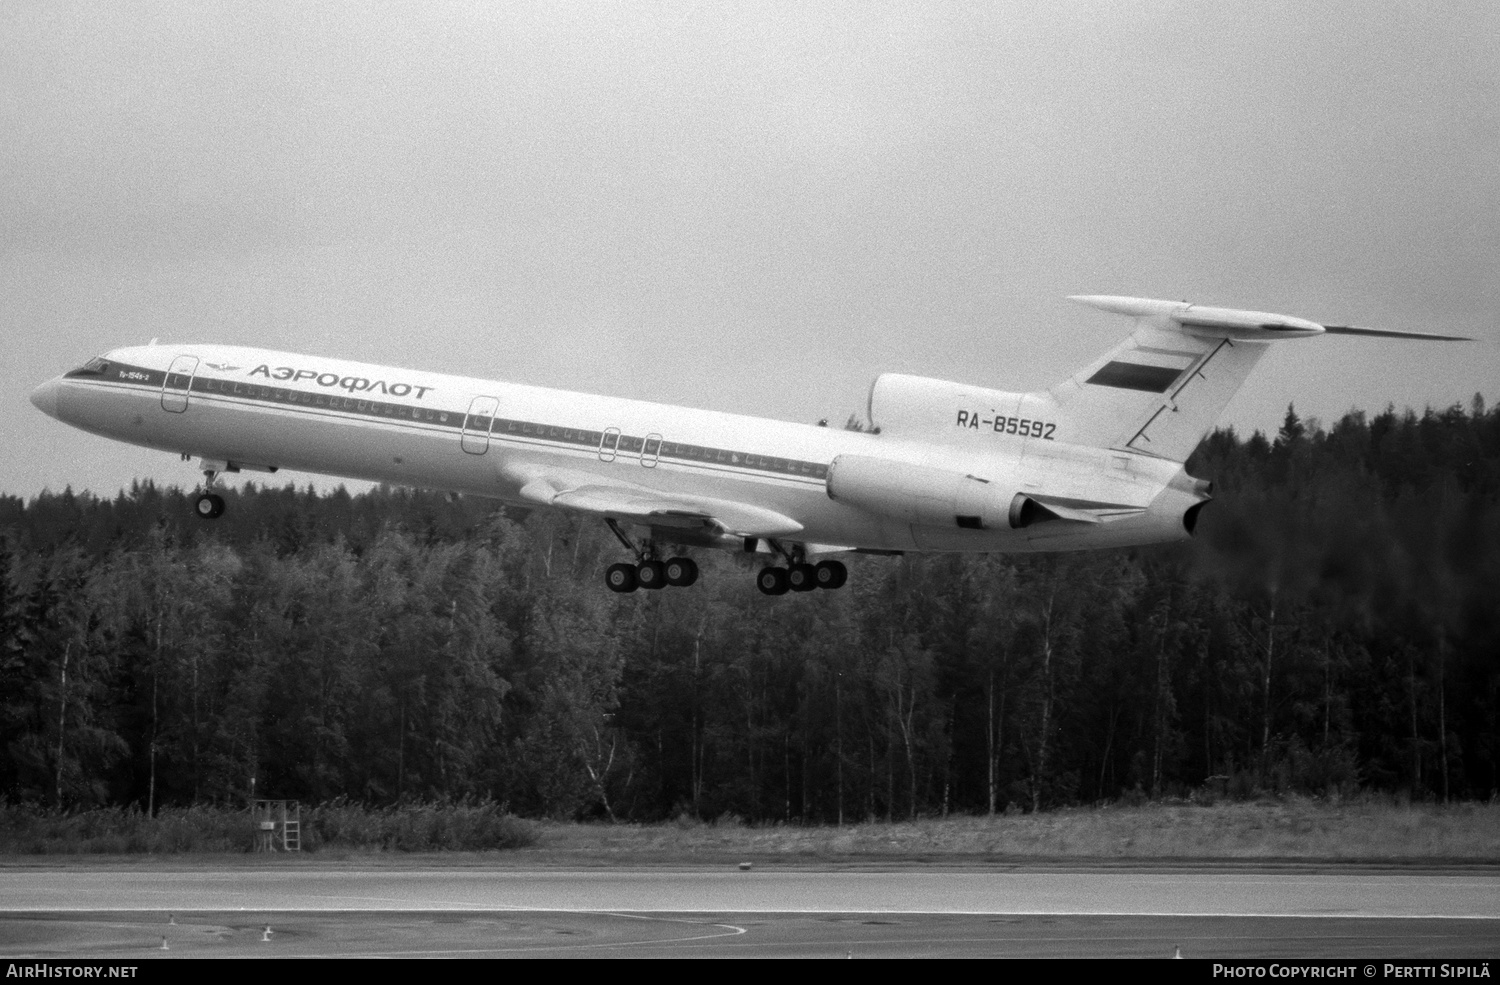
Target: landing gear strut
{"x": 649, "y": 572}
{"x": 209, "y": 505}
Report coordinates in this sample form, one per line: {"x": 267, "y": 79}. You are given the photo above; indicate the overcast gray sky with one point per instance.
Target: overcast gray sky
{"x": 749, "y": 207}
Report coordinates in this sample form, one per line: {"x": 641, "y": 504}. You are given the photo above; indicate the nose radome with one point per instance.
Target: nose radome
{"x": 44, "y": 397}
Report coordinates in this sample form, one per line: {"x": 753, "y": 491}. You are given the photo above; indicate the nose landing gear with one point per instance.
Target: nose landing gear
{"x": 209, "y": 505}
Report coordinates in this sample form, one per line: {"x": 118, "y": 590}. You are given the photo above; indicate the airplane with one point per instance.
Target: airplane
{"x": 1095, "y": 461}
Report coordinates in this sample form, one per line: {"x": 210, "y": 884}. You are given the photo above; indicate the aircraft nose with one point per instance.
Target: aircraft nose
{"x": 45, "y": 397}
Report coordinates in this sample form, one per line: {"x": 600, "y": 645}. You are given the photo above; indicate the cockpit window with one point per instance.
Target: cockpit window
{"x": 97, "y": 366}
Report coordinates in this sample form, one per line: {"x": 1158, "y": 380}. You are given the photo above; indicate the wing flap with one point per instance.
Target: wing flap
{"x": 588, "y": 493}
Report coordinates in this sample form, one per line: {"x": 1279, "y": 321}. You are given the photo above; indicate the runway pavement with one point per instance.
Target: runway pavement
{"x": 837, "y": 911}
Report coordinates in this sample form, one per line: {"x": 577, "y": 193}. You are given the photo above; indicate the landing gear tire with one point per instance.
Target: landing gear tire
{"x": 620, "y": 578}
{"x": 651, "y": 575}
{"x": 802, "y": 577}
{"x": 772, "y": 581}
{"x": 681, "y": 571}
{"x": 831, "y": 574}
{"x": 208, "y": 506}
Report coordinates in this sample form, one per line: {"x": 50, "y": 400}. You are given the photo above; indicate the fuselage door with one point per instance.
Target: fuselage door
{"x": 178, "y": 384}
{"x": 477, "y": 423}
{"x": 609, "y": 444}
{"x": 651, "y": 451}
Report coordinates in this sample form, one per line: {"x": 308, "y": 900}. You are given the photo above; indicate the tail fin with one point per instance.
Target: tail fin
{"x": 1161, "y": 390}
{"x": 1157, "y": 393}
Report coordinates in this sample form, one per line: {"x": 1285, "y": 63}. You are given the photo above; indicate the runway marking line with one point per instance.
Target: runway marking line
{"x": 733, "y": 931}
{"x": 408, "y": 906}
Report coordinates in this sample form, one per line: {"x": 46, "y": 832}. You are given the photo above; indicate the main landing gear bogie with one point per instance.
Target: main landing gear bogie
{"x": 651, "y": 573}
{"x": 677, "y": 572}
{"x": 648, "y": 572}
{"x": 801, "y": 577}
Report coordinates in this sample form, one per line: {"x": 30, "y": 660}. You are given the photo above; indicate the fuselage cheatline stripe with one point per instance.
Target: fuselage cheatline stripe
{"x": 430, "y": 419}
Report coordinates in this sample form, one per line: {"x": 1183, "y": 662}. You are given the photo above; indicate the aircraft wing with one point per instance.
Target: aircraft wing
{"x": 589, "y": 493}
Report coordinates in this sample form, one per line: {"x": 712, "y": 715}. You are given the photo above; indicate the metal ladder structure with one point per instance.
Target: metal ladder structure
{"x": 278, "y": 825}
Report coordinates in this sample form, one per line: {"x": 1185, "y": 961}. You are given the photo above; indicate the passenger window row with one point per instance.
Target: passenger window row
{"x": 577, "y": 436}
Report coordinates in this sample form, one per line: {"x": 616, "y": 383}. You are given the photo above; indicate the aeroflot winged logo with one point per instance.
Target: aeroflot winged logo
{"x": 354, "y": 384}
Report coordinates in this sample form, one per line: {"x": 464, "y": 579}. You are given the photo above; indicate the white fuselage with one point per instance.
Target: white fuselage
{"x": 255, "y": 408}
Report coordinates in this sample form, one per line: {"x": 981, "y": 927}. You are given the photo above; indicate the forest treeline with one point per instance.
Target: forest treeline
{"x": 1334, "y": 627}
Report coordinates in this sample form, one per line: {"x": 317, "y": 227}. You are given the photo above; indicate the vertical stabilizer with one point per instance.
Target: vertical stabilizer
{"x": 1161, "y": 390}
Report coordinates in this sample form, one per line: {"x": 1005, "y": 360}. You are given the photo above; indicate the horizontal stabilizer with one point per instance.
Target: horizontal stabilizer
{"x": 1161, "y": 390}
{"x": 1235, "y": 323}
{"x": 1381, "y": 333}
{"x": 1229, "y": 323}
